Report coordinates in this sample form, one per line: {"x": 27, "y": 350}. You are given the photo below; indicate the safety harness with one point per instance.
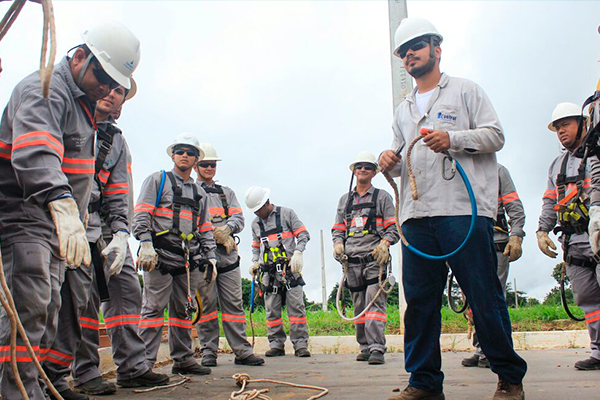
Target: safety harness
{"x": 218, "y": 189}
{"x": 573, "y": 214}
{"x": 501, "y": 223}
{"x": 276, "y": 260}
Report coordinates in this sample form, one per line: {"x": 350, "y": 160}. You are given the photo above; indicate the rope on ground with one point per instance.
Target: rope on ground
{"x": 23, "y": 334}
{"x": 48, "y": 35}
{"x": 242, "y": 380}
{"x": 155, "y": 388}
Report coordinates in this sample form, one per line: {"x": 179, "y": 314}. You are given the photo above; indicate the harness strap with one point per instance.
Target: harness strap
{"x": 371, "y": 225}
{"x": 361, "y": 260}
{"x": 363, "y": 287}
{"x": 230, "y": 267}
{"x": 580, "y": 262}
{"x": 104, "y": 141}
{"x": 218, "y": 189}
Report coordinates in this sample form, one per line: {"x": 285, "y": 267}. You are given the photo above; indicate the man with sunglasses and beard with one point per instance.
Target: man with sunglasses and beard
{"x": 456, "y": 118}
{"x": 171, "y": 220}
{"x": 363, "y": 231}
{"x": 227, "y": 219}
{"x": 46, "y": 176}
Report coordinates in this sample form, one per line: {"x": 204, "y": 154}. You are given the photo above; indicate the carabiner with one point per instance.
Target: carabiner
{"x": 448, "y": 157}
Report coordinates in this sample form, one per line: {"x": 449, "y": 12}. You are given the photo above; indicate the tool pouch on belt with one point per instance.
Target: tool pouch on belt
{"x": 573, "y": 215}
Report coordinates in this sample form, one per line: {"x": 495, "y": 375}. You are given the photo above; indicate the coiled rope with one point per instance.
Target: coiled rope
{"x": 243, "y": 380}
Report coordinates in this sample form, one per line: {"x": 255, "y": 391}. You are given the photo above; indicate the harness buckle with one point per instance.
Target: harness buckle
{"x": 287, "y": 286}
{"x": 275, "y": 289}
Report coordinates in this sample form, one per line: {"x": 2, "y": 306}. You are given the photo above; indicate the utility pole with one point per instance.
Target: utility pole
{"x": 401, "y": 86}
{"x": 323, "y": 283}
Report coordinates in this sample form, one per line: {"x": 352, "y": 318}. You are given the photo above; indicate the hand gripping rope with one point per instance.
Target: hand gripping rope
{"x": 415, "y": 196}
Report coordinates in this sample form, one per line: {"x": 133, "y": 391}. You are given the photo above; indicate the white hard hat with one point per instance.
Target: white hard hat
{"x": 256, "y": 197}
{"x": 131, "y": 92}
{"x": 365, "y": 157}
{"x": 210, "y": 153}
{"x": 412, "y": 28}
{"x": 188, "y": 139}
{"x": 116, "y": 48}
{"x": 564, "y": 110}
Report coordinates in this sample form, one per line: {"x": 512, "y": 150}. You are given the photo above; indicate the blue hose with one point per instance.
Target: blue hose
{"x": 252, "y": 296}
{"x": 465, "y": 179}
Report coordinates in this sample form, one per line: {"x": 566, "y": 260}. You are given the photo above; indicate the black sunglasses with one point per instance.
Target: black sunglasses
{"x": 414, "y": 46}
{"x": 191, "y": 153}
{"x": 206, "y": 164}
{"x": 367, "y": 166}
{"x": 102, "y": 77}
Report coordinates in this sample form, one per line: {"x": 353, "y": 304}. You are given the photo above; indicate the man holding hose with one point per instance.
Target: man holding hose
{"x": 456, "y": 118}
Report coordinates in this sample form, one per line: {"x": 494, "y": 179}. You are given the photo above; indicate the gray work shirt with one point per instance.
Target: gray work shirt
{"x": 509, "y": 204}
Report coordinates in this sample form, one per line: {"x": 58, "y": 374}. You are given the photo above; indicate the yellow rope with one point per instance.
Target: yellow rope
{"x": 242, "y": 380}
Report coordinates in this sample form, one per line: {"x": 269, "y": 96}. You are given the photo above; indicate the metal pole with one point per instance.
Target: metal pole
{"x": 401, "y": 86}
{"x": 516, "y": 295}
{"x": 323, "y": 283}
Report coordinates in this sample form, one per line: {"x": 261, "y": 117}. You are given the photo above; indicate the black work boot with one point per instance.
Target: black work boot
{"x": 250, "y": 360}
{"x": 194, "y": 369}
{"x": 209, "y": 360}
{"x": 483, "y": 362}
{"x": 363, "y": 356}
{"x": 376, "y": 358}
{"x": 591, "y": 364}
{"x": 303, "y": 352}
{"x": 509, "y": 391}
{"x": 148, "y": 379}
{"x": 472, "y": 361}
{"x": 275, "y": 352}
{"x": 97, "y": 385}
{"x": 412, "y": 393}
{"x": 68, "y": 394}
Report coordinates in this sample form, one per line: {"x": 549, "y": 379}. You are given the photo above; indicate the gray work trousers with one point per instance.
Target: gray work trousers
{"x": 586, "y": 290}
{"x": 159, "y": 291}
{"x": 294, "y": 300}
{"x": 34, "y": 277}
{"x": 121, "y": 317}
{"x": 370, "y": 328}
{"x": 74, "y": 293}
{"x": 503, "y": 267}
{"x": 227, "y": 288}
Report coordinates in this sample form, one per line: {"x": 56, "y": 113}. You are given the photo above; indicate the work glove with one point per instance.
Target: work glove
{"x": 72, "y": 242}
{"x": 223, "y": 237}
{"x": 513, "y": 249}
{"x": 296, "y": 262}
{"x": 545, "y": 244}
{"x": 147, "y": 257}
{"x": 213, "y": 263}
{"x": 338, "y": 250}
{"x": 382, "y": 253}
{"x": 116, "y": 251}
{"x": 254, "y": 268}
{"x": 594, "y": 228}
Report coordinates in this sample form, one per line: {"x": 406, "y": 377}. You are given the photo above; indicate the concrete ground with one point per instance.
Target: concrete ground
{"x": 551, "y": 376}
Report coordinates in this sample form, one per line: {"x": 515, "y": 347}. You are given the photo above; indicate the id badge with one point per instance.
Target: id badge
{"x": 358, "y": 222}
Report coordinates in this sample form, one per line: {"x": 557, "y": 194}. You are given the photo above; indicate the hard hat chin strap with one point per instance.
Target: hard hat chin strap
{"x": 85, "y": 67}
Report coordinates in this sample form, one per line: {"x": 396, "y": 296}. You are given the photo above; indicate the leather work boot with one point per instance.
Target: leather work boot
{"x": 483, "y": 362}
{"x": 275, "y": 353}
{"x": 508, "y": 391}
{"x": 148, "y": 379}
{"x": 472, "y": 361}
{"x": 591, "y": 364}
{"x": 68, "y": 394}
{"x": 97, "y": 385}
{"x": 303, "y": 352}
{"x": 363, "y": 356}
{"x": 194, "y": 369}
{"x": 209, "y": 360}
{"x": 412, "y": 393}
{"x": 376, "y": 358}
{"x": 250, "y": 360}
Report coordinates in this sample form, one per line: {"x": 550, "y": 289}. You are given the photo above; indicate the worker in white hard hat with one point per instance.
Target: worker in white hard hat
{"x": 228, "y": 220}
{"x": 456, "y": 119}
{"x": 565, "y": 210}
{"x": 177, "y": 250}
{"x": 278, "y": 240}
{"x": 363, "y": 230}
{"x": 47, "y": 169}
{"x": 116, "y": 287}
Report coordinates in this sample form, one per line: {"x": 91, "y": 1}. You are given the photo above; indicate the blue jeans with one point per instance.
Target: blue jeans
{"x": 475, "y": 268}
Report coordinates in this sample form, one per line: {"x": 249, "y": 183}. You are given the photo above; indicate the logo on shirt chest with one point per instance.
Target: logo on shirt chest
{"x": 448, "y": 118}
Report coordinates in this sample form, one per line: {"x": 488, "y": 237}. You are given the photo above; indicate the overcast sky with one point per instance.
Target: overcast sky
{"x": 289, "y": 92}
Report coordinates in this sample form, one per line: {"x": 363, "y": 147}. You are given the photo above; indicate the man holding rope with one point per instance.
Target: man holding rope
{"x": 46, "y": 175}
{"x": 363, "y": 230}
{"x": 455, "y": 116}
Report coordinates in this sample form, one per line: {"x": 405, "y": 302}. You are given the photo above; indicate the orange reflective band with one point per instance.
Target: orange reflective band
{"x": 233, "y": 318}
{"x": 338, "y": 227}
{"x": 205, "y": 227}
{"x": 44, "y": 138}
{"x": 235, "y": 210}
{"x": 180, "y": 323}
{"x": 389, "y": 222}
{"x": 5, "y": 145}
{"x": 256, "y": 245}
{"x": 121, "y": 320}
{"x": 360, "y": 321}
{"x": 216, "y": 211}
{"x": 208, "y": 317}
{"x": 276, "y": 322}
{"x": 152, "y": 323}
{"x": 299, "y": 230}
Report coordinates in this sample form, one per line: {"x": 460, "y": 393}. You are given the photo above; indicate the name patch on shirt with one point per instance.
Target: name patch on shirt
{"x": 449, "y": 118}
